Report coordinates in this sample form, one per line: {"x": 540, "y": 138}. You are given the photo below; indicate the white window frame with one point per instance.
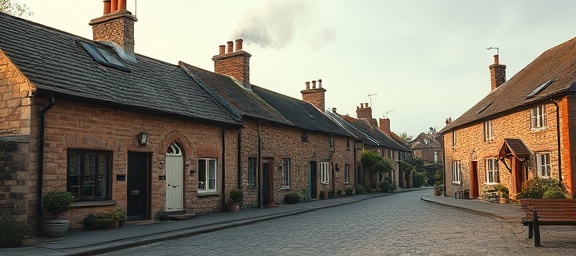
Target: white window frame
{"x": 286, "y": 173}
{"x": 435, "y": 157}
{"x": 346, "y": 173}
{"x": 454, "y": 139}
{"x": 538, "y": 117}
{"x": 325, "y": 172}
{"x": 488, "y": 131}
{"x": 456, "y": 172}
{"x": 543, "y": 165}
{"x": 331, "y": 143}
{"x": 492, "y": 172}
{"x": 204, "y": 186}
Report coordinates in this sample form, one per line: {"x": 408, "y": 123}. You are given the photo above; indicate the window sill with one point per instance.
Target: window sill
{"x": 87, "y": 204}
{"x": 325, "y": 183}
{"x": 208, "y": 194}
{"x": 456, "y": 182}
{"x": 285, "y": 188}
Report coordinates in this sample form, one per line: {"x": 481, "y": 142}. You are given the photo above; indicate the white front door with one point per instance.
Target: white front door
{"x": 174, "y": 178}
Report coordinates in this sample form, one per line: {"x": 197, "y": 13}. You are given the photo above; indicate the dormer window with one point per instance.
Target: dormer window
{"x": 104, "y": 56}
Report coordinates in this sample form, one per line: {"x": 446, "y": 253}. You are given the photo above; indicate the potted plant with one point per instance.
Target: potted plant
{"x": 236, "y": 197}
{"x": 438, "y": 189}
{"x": 503, "y": 193}
{"x": 56, "y": 203}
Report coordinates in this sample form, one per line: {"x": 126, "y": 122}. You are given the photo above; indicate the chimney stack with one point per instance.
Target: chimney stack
{"x": 233, "y": 63}
{"x": 385, "y": 126}
{"x": 497, "y": 74}
{"x": 116, "y": 26}
{"x": 315, "y": 96}
{"x": 365, "y": 112}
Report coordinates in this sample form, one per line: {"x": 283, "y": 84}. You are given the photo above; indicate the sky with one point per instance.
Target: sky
{"x": 416, "y": 62}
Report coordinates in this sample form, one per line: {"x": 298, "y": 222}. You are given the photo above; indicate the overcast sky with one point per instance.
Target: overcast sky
{"x": 422, "y": 61}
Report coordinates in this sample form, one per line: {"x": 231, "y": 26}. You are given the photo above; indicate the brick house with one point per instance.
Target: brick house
{"x": 115, "y": 128}
{"x": 524, "y": 128}
{"x": 428, "y": 147}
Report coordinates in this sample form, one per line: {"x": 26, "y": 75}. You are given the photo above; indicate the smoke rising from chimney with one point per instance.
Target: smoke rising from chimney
{"x": 276, "y": 23}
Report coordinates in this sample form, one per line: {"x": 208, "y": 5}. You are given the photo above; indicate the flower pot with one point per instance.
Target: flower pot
{"x": 232, "y": 207}
{"x": 56, "y": 228}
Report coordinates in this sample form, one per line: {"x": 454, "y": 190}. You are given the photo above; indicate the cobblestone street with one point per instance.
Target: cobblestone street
{"x": 399, "y": 224}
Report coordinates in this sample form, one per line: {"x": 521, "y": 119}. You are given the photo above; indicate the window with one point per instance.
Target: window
{"x": 88, "y": 174}
{"x": 346, "y": 173}
{"x": 492, "y": 175}
{"x": 454, "y": 139}
{"x": 488, "y": 131}
{"x": 456, "y": 171}
{"x": 286, "y": 173}
{"x": 324, "y": 173}
{"x": 252, "y": 172}
{"x": 102, "y": 56}
{"x": 206, "y": 175}
{"x": 331, "y": 142}
{"x": 347, "y": 143}
{"x": 543, "y": 165}
{"x": 538, "y": 117}
{"x": 304, "y": 136}
{"x": 435, "y": 156}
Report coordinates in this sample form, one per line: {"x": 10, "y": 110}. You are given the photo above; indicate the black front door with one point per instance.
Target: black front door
{"x": 138, "y": 189}
{"x": 268, "y": 181}
{"x": 312, "y": 180}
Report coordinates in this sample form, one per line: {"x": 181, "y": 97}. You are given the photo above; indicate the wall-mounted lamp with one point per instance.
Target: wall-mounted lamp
{"x": 142, "y": 138}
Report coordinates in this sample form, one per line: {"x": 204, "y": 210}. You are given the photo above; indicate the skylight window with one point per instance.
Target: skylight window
{"x": 483, "y": 108}
{"x": 104, "y": 57}
{"x": 539, "y": 89}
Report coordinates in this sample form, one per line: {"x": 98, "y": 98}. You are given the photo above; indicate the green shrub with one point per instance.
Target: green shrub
{"x": 349, "y": 191}
{"x": 103, "y": 220}
{"x": 419, "y": 179}
{"x": 304, "y": 195}
{"x": 57, "y": 202}
{"x": 535, "y": 188}
{"x": 359, "y": 189}
{"x": 236, "y": 196}
{"x": 385, "y": 186}
{"x": 12, "y": 232}
{"x": 339, "y": 192}
{"x": 292, "y": 198}
{"x": 162, "y": 216}
{"x": 554, "y": 192}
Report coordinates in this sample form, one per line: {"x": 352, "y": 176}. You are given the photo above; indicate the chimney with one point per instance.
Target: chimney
{"x": 385, "y": 126}
{"x": 365, "y": 112}
{"x": 116, "y": 26}
{"x": 315, "y": 95}
{"x": 497, "y": 74}
{"x": 233, "y": 63}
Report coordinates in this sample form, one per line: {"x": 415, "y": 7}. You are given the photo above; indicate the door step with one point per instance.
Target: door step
{"x": 181, "y": 216}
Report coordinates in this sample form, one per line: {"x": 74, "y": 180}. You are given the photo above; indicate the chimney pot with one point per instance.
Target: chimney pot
{"x": 334, "y": 110}
{"x": 221, "y": 49}
{"x": 366, "y": 104}
{"x": 307, "y": 85}
{"x": 106, "y": 7}
{"x": 319, "y": 83}
{"x": 121, "y": 5}
{"x": 113, "y": 5}
{"x": 230, "y": 46}
{"x": 239, "y": 44}
{"x": 313, "y": 84}
{"x": 496, "y": 59}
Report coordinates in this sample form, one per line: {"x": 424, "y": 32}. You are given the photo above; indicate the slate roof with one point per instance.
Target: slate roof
{"x": 300, "y": 113}
{"x": 557, "y": 63}
{"x": 515, "y": 147}
{"x": 369, "y": 134}
{"x": 420, "y": 143}
{"x": 234, "y": 96}
{"x": 54, "y": 61}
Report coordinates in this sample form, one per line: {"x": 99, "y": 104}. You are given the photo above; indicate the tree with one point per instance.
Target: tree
{"x": 12, "y": 7}
{"x": 406, "y": 137}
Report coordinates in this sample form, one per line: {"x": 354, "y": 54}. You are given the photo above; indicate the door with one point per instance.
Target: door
{"x": 518, "y": 176}
{"x": 474, "y": 193}
{"x": 138, "y": 186}
{"x": 174, "y": 178}
{"x": 312, "y": 179}
{"x": 267, "y": 183}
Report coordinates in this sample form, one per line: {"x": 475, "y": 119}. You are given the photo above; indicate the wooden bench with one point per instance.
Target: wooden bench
{"x": 539, "y": 212}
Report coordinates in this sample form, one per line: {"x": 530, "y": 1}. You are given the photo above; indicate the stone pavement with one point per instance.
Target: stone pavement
{"x": 140, "y": 233}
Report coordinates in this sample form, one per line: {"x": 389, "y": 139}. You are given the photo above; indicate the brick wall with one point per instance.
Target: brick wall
{"x": 15, "y": 177}
{"x": 116, "y": 27}
{"x": 515, "y": 125}
{"x": 234, "y": 63}
{"x": 82, "y": 126}
{"x": 15, "y": 92}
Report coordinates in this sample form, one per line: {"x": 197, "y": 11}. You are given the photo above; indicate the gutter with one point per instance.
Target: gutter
{"x": 40, "y": 168}
{"x": 223, "y": 168}
{"x": 259, "y": 165}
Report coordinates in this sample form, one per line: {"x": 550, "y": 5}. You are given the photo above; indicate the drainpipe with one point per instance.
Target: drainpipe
{"x": 40, "y": 177}
{"x": 558, "y": 139}
{"x": 239, "y": 141}
{"x": 223, "y": 168}
{"x": 259, "y": 166}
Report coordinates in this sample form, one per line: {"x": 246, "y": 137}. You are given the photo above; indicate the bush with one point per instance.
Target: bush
{"x": 304, "y": 195}
{"x": 359, "y": 189}
{"x": 322, "y": 194}
{"x": 12, "y": 232}
{"x": 236, "y": 196}
{"x": 162, "y": 216}
{"x": 554, "y": 192}
{"x": 419, "y": 179}
{"x": 385, "y": 186}
{"x": 535, "y": 188}
{"x": 349, "y": 191}
{"x": 103, "y": 220}
{"x": 57, "y": 202}
{"x": 293, "y": 198}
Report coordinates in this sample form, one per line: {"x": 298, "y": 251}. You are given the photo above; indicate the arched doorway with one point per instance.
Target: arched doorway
{"x": 174, "y": 178}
